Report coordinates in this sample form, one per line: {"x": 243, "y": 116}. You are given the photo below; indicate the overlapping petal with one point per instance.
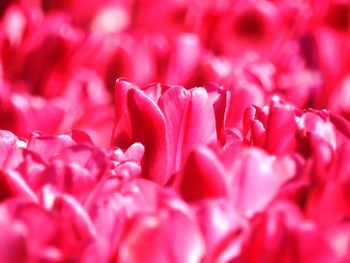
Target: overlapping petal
{"x": 224, "y": 139}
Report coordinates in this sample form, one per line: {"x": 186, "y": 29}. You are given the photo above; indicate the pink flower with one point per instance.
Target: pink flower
{"x": 181, "y": 121}
{"x": 273, "y": 128}
{"x": 240, "y": 155}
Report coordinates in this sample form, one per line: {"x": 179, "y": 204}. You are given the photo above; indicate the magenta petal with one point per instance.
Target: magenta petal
{"x": 341, "y": 163}
{"x": 281, "y": 130}
{"x": 140, "y": 120}
{"x": 190, "y": 121}
{"x": 120, "y": 96}
{"x": 81, "y": 137}
{"x": 203, "y": 176}
{"x": 323, "y": 156}
{"x": 30, "y": 113}
{"x": 48, "y": 146}
{"x": 48, "y": 231}
{"x": 127, "y": 170}
{"x": 76, "y": 170}
{"x": 155, "y": 90}
{"x": 112, "y": 204}
{"x": 340, "y": 123}
{"x": 248, "y": 117}
{"x": 182, "y": 242}
{"x": 103, "y": 190}
{"x": 315, "y": 124}
{"x": 339, "y": 234}
{"x": 257, "y": 178}
{"x": 8, "y": 143}
{"x": 31, "y": 168}
{"x": 281, "y": 233}
{"x": 12, "y": 241}
{"x": 258, "y": 133}
{"x": 122, "y": 136}
{"x": 184, "y": 59}
{"x": 240, "y": 100}
{"x": 148, "y": 128}
{"x": 135, "y": 152}
{"x": 85, "y": 156}
{"x": 221, "y": 107}
{"x": 68, "y": 207}
{"x": 13, "y": 185}
{"x": 222, "y": 228}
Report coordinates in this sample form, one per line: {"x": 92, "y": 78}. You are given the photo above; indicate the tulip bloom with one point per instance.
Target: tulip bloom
{"x": 228, "y": 142}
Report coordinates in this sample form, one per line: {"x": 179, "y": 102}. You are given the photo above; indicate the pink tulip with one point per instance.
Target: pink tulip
{"x": 228, "y": 143}
{"x": 272, "y": 128}
{"x": 181, "y": 121}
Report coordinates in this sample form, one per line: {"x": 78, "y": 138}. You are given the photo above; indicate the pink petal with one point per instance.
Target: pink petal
{"x": 8, "y": 144}
{"x": 203, "y": 176}
{"x": 221, "y": 107}
{"x": 281, "y": 233}
{"x": 120, "y": 96}
{"x": 13, "y": 185}
{"x": 67, "y": 206}
{"x": 185, "y": 57}
{"x": 85, "y": 156}
{"x": 257, "y": 178}
{"x": 190, "y": 122}
{"x": 180, "y": 243}
{"x": 222, "y": 228}
{"x": 148, "y": 127}
{"x": 48, "y": 146}
{"x": 80, "y": 137}
{"x": 281, "y": 130}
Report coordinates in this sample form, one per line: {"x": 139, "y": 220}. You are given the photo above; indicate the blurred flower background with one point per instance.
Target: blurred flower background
{"x": 175, "y": 131}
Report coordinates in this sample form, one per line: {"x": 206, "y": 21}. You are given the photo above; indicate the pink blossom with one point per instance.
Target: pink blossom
{"x": 174, "y": 131}
{"x": 181, "y": 121}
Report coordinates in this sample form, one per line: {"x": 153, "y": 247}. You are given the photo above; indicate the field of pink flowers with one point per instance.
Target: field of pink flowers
{"x": 156, "y": 131}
